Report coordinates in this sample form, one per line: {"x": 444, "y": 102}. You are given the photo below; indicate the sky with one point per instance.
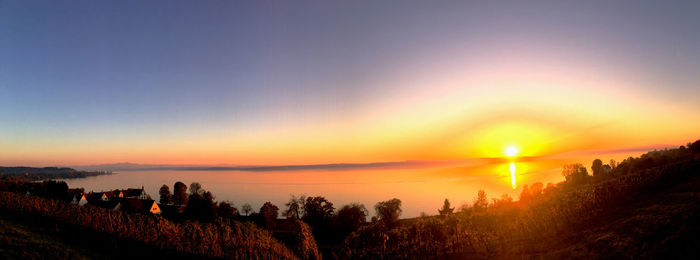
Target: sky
{"x": 304, "y": 82}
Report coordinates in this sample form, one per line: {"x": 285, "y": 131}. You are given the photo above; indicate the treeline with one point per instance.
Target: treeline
{"x": 46, "y": 173}
{"x": 329, "y": 226}
{"x": 46, "y": 189}
{"x": 578, "y": 174}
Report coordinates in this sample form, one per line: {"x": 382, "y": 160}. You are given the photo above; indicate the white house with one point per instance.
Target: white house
{"x": 79, "y": 199}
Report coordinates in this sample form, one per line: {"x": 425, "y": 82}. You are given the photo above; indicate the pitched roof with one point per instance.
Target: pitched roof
{"x": 110, "y": 204}
{"x": 110, "y": 194}
{"x": 95, "y": 196}
{"x": 133, "y": 192}
{"x": 139, "y": 205}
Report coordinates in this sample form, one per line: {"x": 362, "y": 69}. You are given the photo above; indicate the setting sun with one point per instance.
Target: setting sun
{"x": 511, "y": 151}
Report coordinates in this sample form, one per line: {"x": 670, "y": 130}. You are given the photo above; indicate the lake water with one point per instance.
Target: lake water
{"x": 419, "y": 189}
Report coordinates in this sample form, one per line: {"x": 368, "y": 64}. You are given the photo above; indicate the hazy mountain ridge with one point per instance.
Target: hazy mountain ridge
{"x": 330, "y": 166}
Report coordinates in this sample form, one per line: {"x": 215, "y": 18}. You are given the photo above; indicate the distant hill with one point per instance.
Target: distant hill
{"x": 48, "y": 173}
{"x": 261, "y": 168}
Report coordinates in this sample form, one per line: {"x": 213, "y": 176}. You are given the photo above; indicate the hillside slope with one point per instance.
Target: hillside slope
{"x": 661, "y": 222}
{"x": 19, "y": 241}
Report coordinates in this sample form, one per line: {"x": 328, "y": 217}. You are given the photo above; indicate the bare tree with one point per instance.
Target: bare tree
{"x": 295, "y": 207}
{"x": 247, "y": 209}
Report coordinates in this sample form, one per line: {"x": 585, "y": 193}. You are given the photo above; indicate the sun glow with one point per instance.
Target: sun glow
{"x": 511, "y": 151}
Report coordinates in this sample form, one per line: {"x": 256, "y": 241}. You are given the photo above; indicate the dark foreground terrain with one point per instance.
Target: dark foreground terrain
{"x": 663, "y": 221}
{"x": 20, "y": 241}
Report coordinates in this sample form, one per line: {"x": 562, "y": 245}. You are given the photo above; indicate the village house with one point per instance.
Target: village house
{"x": 77, "y": 196}
{"x": 136, "y": 193}
{"x": 136, "y": 205}
{"x": 79, "y": 199}
{"x": 129, "y": 200}
{"x": 97, "y": 196}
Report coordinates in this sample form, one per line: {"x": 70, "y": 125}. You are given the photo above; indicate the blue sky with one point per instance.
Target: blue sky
{"x": 98, "y": 73}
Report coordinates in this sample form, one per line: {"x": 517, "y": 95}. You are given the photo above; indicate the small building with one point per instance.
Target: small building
{"x": 77, "y": 196}
{"x": 136, "y": 205}
{"x": 135, "y": 193}
{"x": 117, "y": 194}
{"x": 97, "y": 196}
{"x": 79, "y": 199}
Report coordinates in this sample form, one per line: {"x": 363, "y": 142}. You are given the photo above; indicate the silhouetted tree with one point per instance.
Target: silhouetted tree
{"x": 295, "y": 207}
{"x": 613, "y": 163}
{"x": 267, "y": 216}
{"x": 318, "y": 213}
{"x": 505, "y": 200}
{"x": 536, "y": 189}
{"x": 574, "y": 173}
{"x": 165, "y": 196}
{"x": 180, "y": 193}
{"x": 481, "y": 202}
{"x": 247, "y": 209}
{"x": 196, "y": 188}
{"x": 317, "y": 209}
{"x": 597, "y": 168}
{"x": 549, "y": 188}
{"x": 349, "y": 219}
{"x": 694, "y": 147}
{"x": 388, "y": 211}
{"x": 226, "y": 210}
{"x": 525, "y": 194}
{"x": 201, "y": 207}
{"x": 446, "y": 210}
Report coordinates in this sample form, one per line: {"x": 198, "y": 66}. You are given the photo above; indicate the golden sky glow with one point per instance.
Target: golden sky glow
{"x": 429, "y": 84}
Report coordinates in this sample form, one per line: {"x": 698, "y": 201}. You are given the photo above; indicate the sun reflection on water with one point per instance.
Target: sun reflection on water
{"x": 512, "y": 174}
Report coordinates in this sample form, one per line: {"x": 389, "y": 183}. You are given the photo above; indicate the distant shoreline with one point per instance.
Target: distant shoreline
{"x": 48, "y": 173}
{"x": 265, "y": 168}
